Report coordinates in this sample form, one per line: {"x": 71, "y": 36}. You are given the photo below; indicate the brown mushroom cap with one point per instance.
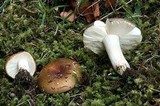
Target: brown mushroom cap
{"x": 59, "y": 76}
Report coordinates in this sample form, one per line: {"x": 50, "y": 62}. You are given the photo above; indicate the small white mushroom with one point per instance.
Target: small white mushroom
{"x": 114, "y": 36}
{"x": 21, "y": 61}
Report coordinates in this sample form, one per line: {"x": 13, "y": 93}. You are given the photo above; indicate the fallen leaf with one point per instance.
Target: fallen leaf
{"x": 90, "y": 9}
{"x": 110, "y": 3}
{"x": 86, "y": 10}
{"x": 96, "y": 9}
{"x": 69, "y": 15}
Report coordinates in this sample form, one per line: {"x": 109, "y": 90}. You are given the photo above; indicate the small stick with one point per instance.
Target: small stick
{"x": 115, "y": 10}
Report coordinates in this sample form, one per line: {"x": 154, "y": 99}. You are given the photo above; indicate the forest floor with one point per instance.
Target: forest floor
{"x": 34, "y": 27}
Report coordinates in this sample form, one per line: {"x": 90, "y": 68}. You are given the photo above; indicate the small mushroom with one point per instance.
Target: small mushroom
{"x": 59, "y": 76}
{"x": 20, "y": 66}
{"x": 114, "y": 36}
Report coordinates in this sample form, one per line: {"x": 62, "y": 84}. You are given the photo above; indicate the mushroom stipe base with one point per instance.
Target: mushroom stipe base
{"x": 23, "y": 78}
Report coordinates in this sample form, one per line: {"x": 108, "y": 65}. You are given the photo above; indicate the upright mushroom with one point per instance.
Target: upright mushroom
{"x": 115, "y": 35}
{"x": 59, "y": 76}
{"x": 20, "y": 66}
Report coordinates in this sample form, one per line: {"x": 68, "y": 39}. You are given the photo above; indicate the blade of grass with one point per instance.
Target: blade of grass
{"x": 6, "y": 2}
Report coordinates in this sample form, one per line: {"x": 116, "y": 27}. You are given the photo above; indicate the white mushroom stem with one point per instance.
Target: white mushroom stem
{"x": 23, "y": 64}
{"x": 112, "y": 46}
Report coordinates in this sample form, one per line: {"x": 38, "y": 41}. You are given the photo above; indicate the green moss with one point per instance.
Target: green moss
{"x": 21, "y": 28}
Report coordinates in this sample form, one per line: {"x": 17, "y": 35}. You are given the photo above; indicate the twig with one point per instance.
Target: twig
{"x": 89, "y": 7}
{"x": 114, "y": 11}
{"x": 155, "y": 56}
{"x": 155, "y": 90}
{"x": 56, "y": 30}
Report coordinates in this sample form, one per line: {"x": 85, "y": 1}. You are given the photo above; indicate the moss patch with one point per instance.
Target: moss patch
{"x": 23, "y": 27}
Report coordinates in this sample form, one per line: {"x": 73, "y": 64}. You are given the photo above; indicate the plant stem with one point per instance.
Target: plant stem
{"x": 112, "y": 46}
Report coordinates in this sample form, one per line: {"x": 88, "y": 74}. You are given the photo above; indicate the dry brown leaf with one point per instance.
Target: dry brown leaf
{"x": 87, "y": 11}
{"x": 90, "y": 10}
{"x": 110, "y": 3}
{"x": 69, "y": 15}
{"x": 96, "y": 9}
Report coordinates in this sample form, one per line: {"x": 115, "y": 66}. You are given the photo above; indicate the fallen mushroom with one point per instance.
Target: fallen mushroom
{"x": 112, "y": 36}
{"x": 59, "y": 76}
{"x": 21, "y": 67}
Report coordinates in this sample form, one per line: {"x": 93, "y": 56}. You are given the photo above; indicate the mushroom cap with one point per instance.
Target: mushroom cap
{"x": 128, "y": 33}
{"x": 11, "y": 65}
{"x": 59, "y": 76}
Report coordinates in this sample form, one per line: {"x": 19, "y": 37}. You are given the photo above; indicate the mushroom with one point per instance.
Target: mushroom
{"x": 114, "y": 36}
{"x": 59, "y": 76}
{"x": 20, "y": 66}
